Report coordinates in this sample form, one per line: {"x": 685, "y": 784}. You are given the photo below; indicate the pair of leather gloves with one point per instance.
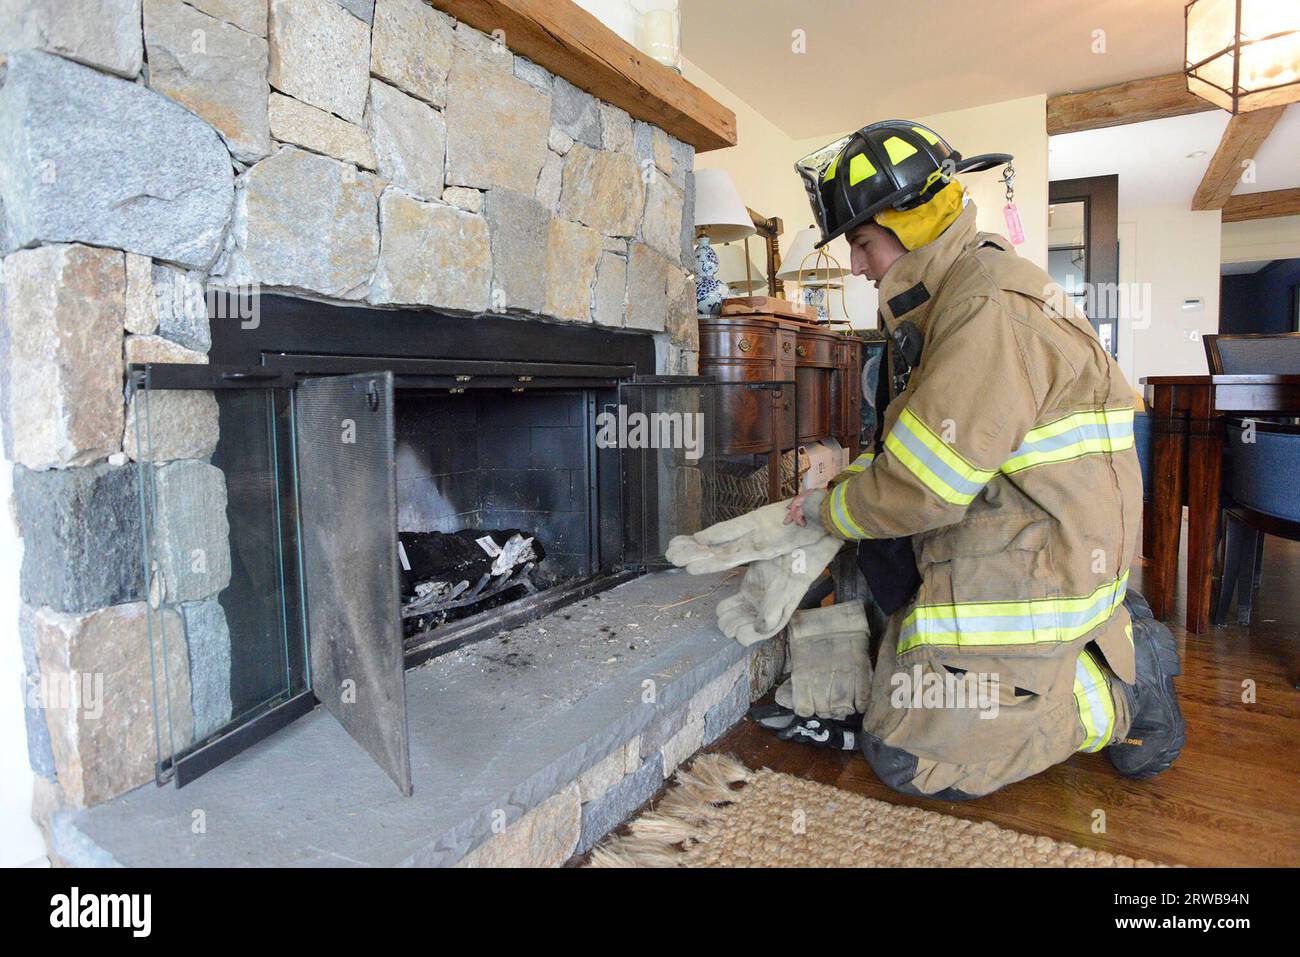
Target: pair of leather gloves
{"x": 830, "y": 668}
{"x": 823, "y": 700}
{"x": 784, "y": 560}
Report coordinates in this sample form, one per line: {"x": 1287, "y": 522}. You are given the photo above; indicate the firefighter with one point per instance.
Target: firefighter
{"x": 1000, "y": 515}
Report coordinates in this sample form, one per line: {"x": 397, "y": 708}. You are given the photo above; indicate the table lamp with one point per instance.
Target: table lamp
{"x": 815, "y": 270}
{"x": 720, "y": 217}
{"x": 737, "y": 268}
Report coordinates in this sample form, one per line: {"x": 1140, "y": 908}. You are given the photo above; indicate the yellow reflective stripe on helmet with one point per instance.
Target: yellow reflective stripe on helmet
{"x": 830, "y": 170}
{"x": 1073, "y": 436}
{"x": 861, "y": 462}
{"x": 926, "y": 135}
{"x": 841, "y": 518}
{"x": 1096, "y": 706}
{"x": 898, "y": 149}
{"x": 860, "y": 168}
{"x": 939, "y": 467}
{"x": 983, "y": 624}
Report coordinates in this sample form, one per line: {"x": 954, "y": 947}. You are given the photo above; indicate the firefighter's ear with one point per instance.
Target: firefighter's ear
{"x": 892, "y": 237}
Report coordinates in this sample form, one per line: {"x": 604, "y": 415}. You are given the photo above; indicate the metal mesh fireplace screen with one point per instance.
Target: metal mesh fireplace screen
{"x": 736, "y": 487}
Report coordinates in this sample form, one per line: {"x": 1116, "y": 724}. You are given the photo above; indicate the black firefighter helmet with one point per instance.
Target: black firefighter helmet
{"x": 894, "y": 163}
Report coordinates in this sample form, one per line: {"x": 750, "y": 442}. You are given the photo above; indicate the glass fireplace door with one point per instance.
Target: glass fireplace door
{"x": 270, "y": 547}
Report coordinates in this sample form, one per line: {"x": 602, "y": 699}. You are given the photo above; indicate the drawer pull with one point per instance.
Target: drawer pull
{"x": 785, "y": 347}
{"x": 745, "y": 345}
{"x": 802, "y": 352}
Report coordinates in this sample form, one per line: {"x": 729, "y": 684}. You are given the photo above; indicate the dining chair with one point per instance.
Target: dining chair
{"x": 1264, "y": 459}
{"x": 1276, "y": 353}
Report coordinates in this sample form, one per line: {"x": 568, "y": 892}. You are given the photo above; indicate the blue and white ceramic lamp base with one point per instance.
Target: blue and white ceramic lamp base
{"x": 709, "y": 289}
{"x": 815, "y": 296}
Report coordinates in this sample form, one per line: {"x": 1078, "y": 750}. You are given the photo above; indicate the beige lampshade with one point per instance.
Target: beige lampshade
{"x": 719, "y": 212}
{"x": 814, "y": 267}
{"x": 731, "y": 269}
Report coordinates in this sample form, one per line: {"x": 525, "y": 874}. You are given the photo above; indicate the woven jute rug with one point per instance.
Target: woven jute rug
{"x": 718, "y": 813}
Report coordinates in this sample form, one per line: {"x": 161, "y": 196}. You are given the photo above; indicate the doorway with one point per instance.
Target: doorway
{"x": 1083, "y": 249}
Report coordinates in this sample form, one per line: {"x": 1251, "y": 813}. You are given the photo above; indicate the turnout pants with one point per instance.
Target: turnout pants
{"x": 961, "y": 728}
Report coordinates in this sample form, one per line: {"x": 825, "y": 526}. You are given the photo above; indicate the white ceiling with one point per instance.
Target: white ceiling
{"x": 868, "y": 60}
{"x": 1278, "y": 164}
{"x": 1242, "y": 269}
{"x": 1153, "y": 159}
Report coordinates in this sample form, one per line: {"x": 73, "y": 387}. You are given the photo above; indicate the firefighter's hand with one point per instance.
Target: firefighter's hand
{"x": 794, "y": 514}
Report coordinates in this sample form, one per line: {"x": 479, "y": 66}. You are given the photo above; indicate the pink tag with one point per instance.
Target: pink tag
{"x": 1015, "y": 231}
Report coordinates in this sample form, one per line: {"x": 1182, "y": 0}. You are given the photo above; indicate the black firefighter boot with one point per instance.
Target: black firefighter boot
{"x": 1157, "y": 732}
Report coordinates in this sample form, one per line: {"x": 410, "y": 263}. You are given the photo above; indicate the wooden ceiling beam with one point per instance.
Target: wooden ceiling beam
{"x": 1242, "y": 139}
{"x": 1152, "y": 98}
{"x": 570, "y": 42}
{"x": 1277, "y": 202}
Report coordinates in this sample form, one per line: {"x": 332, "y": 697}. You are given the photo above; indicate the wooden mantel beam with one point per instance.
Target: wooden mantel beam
{"x": 1242, "y": 139}
{"x": 1277, "y": 202}
{"x": 1153, "y": 98}
{"x": 570, "y": 42}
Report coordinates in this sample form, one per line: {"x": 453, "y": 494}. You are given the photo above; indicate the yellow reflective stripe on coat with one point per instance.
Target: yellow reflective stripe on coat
{"x": 1073, "y": 436}
{"x": 1096, "y": 706}
{"x": 984, "y": 624}
{"x": 861, "y": 462}
{"x": 939, "y": 467}
{"x": 841, "y": 518}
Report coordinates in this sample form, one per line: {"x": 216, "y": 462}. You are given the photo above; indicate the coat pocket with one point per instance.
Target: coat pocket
{"x": 987, "y": 586}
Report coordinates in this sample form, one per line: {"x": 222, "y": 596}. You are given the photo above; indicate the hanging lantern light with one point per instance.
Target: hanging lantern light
{"x": 1243, "y": 55}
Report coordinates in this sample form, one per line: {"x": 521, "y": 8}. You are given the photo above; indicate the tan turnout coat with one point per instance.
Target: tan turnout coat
{"x": 1009, "y": 458}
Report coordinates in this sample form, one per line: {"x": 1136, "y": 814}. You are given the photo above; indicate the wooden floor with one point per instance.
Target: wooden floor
{"x": 1232, "y": 799}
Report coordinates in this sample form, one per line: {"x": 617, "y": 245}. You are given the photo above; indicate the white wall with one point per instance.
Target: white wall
{"x": 762, "y": 167}
{"x": 20, "y": 839}
{"x": 761, "y": 164}
{"x": 619, "y": 15}
{"x": 1172, "y": 254}
{"x": 1256, "y": 239}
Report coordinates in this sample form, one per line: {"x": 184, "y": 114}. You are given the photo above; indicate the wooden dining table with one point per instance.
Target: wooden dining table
{"x": 1187, "y": 419}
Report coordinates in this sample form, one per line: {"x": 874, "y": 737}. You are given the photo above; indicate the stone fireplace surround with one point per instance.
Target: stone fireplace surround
{"x": 349, "y": 151}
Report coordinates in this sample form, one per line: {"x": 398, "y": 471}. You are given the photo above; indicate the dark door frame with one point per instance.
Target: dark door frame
{"x": 1100, "y": 198}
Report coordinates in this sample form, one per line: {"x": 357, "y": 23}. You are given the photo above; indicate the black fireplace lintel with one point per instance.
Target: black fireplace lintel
{"x": 288, "y": 325}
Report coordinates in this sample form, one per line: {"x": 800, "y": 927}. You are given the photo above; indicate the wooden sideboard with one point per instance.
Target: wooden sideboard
{"x": 825, "y": 367}
{"x": 846, "y": 394}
